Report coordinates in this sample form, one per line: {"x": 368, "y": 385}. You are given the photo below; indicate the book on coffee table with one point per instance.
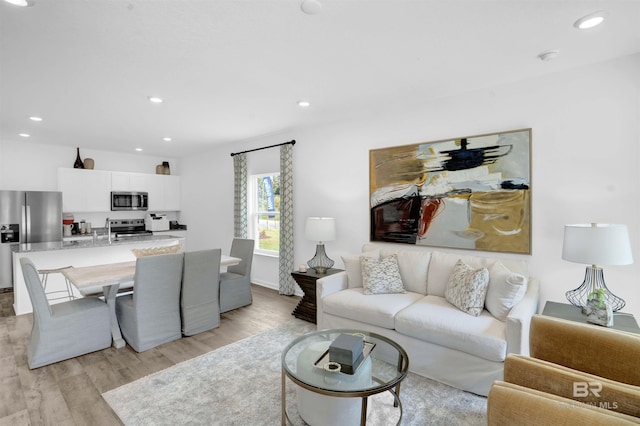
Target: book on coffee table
{"x": 346, "y": 368}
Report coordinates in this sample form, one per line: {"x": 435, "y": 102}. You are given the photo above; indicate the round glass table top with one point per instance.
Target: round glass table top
{"x": 305, "y": 361}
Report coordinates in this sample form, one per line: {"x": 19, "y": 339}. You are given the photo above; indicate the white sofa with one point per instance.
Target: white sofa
{"x": 443, "y": 342}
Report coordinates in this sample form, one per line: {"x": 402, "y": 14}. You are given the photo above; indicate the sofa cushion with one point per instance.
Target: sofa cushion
{"x": 435, "y": 320}
{"x": 467, "y": 288}
{"x": 441, "y": 266}
{"x": 506, "y": 289}
{"x": 376, "y": 309}
{"x": 381, "y": 276}
{"x": 353, "y": 268}
{"x": 413, "y": 262}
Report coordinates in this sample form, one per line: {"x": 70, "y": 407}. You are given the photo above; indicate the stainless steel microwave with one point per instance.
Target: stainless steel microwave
{"x": 129, "y": 200}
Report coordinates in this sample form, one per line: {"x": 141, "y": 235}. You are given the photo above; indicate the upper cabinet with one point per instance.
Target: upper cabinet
{"x": 84, "y": 190}
{"x": 164, "y": 192}
{"x": 124, "y": 181}
{"x": 89, "y": 190}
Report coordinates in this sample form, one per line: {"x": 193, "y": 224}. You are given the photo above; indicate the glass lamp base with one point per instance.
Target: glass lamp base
{"x": 320, "y": 262}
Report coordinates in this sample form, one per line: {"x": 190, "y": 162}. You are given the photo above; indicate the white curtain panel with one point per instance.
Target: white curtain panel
{"x": 240, "y": 195}
{"x": 287, "y": 284}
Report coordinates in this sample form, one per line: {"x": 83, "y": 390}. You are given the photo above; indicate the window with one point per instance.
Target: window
{"x": 264, "y": 211}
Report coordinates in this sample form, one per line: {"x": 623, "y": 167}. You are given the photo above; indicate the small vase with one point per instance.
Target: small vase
{"x": 88, "y": 163}
{"x": 599, "y": 313}
{"x": 159, "y": 169}
{"x": 167, "y": 170}
{"x": 78, "y": 164}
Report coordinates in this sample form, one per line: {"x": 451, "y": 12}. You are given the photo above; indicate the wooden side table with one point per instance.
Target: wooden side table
{"x": 621, "y": 321}
{"x": 307, "y": 308}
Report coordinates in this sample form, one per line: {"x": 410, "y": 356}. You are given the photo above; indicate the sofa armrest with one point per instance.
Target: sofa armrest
{"x": 519, "y": 319}
{"x": 326, "y": 286}
{"x": 510, "y": 404}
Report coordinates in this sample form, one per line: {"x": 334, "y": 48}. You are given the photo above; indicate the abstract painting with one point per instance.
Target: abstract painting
{"x": 469, "y": 193}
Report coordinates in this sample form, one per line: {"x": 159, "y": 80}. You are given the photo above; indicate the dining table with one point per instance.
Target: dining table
{"x": 110, "y": 279}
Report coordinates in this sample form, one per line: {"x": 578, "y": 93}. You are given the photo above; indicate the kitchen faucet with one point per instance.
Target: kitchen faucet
{"x": 108, "y": 226}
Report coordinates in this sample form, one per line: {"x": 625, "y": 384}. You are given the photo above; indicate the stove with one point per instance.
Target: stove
{"x": 129, "y": 228}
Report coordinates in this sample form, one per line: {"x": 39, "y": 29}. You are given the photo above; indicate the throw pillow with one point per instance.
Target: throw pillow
{"x": 152, "y": 251}
{"x": 467, "y": 288}
{"x": 381, "y": 276}
{"x": 353, "y": 268}
{"x": 506, "y": 289}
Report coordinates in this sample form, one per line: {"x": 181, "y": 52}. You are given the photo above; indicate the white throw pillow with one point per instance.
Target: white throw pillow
{"x": 506, "y": 289}
{"x": 353, "y": 268}
{"x": 467, "y": 288}
{"x": 381, "y": 276}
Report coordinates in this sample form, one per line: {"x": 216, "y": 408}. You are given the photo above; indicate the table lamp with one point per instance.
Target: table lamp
{"x": 596, "y": 244}
{"x": 320, "y": 229}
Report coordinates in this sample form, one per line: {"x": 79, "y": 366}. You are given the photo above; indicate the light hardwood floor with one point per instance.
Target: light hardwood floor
{"x": 69, "y": 392}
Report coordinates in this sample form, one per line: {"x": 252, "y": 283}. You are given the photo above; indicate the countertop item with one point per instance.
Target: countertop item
{"x": 88, "y": 243}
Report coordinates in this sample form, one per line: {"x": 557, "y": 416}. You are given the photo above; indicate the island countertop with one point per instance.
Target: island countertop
{"x": 89, "y": 243}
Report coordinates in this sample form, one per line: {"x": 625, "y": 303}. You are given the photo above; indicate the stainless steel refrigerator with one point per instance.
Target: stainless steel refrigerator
{"x": 26, "y": 217}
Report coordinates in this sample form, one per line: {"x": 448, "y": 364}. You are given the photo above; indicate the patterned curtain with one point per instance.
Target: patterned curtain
{"x": 287, "y": 284}
{"x": 240, "y": 196}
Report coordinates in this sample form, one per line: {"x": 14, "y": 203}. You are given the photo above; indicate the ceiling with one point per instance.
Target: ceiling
{"x": 230, "y": 70}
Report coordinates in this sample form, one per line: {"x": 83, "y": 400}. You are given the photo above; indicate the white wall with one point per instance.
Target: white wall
{"x": 585, "y": 155}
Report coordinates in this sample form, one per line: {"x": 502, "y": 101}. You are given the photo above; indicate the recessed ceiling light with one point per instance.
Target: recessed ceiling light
{"x": 311, "y": 7}
{"x": 304, "y": 104}
{"x": 591, "y": 20}
{"x": 24, "y": 135}
{"x": 21, "y": 3}
{"x": 166, "y": 139}
{"x": 155, "y": 99}
{"x": 34, "y": 118}
{"x": 138, "y": 149}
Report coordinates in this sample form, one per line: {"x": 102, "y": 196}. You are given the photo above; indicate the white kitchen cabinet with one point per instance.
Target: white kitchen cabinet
{"x": 125, "y": 181}
{"x": 90, "y": 190}
{"x": 84, "y": 190}
{"x": 164, "y": 192}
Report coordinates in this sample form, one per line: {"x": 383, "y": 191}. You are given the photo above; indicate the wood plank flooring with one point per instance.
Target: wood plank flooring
{"x": 69, "y": 392}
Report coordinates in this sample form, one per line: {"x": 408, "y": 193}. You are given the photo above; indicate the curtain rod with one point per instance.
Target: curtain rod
{"x": 291, "y": 142}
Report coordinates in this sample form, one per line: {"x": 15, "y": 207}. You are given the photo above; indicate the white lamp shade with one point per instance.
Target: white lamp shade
{"x": 597, "y": 244}
{"x": 320, "y": 229}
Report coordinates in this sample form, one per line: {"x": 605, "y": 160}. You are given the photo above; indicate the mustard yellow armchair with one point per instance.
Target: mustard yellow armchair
{"x": 576, "y": 374}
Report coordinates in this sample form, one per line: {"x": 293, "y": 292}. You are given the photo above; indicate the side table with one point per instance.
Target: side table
{"x": 621, "y": 321}
{"x": 307, "y": 307}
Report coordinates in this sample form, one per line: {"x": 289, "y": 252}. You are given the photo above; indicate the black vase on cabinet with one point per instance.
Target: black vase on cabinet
{"x": 78, "y": 164}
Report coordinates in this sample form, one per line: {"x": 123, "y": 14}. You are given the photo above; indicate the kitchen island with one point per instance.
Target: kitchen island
{"x": 85, "y": 252}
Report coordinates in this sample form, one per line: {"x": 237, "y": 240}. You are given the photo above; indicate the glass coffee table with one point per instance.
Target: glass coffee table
{"x": 326, "y": 392}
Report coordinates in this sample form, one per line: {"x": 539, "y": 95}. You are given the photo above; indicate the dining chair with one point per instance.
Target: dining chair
{"x": 235, "y": 284}
{"x": 199, "y": 304}
{"x": 150, "y": 316}
{"x": 63, "y": 330}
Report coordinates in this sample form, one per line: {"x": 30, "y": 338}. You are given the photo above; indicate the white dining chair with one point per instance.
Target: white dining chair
{"x": 199, "y": 298}
{"x": 63, "y": 330}
{"x": 151, "y": 315}
{"x": 235, "y": 284}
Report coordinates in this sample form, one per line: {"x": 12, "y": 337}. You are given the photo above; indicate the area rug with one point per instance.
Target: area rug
{"x": 240, "y": 384}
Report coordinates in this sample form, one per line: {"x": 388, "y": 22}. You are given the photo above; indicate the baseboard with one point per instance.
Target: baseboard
{"x": 273, "y": 286}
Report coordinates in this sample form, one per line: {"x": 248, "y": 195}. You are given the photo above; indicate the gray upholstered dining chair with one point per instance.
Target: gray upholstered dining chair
{"x": 199, "y": 303}
{"x": 63, "y": 330}
{"x": 235, "y": 284}
{"x": 151, "y": 315}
